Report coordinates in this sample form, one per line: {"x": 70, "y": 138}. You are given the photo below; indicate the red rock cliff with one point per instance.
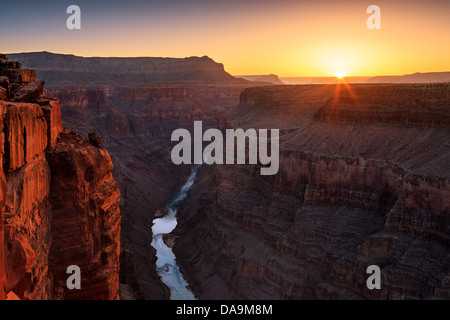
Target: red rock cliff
{"x": 59, "y": 204}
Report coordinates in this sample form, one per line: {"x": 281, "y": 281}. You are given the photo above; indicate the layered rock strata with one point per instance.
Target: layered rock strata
{"x": 135, "y": 124}
{"x": 59, "y": 202}
{"x": 363, "y": 180}
{"x": 70, "y": 70}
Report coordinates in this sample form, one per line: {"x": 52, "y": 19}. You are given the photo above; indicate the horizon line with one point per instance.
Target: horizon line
{"x": 234, "y": 75}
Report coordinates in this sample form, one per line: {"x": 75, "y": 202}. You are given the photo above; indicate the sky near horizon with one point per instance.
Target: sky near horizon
{"x": 285, "y": 37}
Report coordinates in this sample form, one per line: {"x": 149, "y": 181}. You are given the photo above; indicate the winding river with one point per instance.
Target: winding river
{"x": 166, "y": 260}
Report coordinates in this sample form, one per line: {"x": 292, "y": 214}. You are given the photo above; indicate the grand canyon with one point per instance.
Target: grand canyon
{"x": 60, "y": 203}
{"x": 363, "y": 180}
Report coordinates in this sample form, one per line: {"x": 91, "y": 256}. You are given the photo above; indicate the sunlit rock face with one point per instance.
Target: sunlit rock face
{"x": 85, "y": 218}
{"x": 59, "y": 202}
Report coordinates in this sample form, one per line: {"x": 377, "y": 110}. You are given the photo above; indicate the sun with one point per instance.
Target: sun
{"x": 341, "y": 75}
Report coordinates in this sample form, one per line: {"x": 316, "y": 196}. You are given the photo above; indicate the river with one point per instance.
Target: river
{"x": 166, "y": 261}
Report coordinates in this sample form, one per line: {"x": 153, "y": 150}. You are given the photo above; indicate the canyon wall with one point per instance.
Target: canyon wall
{"x": 134, "y": 105}
{"x": 136, "y": 124}
{"x": 233, "y": 209}
{"x": 59, "y": 202}
{"x": 363, "y": 180}
{"x": 420, "y": 105}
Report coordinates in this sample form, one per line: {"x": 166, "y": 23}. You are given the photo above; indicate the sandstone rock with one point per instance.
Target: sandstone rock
{"x": 4, "y": 82}
{"x": 14, "y": 87}
{"x": 3, "y": 94}
{"x": 2, "y": 207}
{"x": 8, "y": 64}
{"x": 26, "y": 134}
{"x": 95, "y": 140}
{"x": 52, "y": 114}
{"x": 86, "y": 218}
{"x": 2, "y": 259}
{"x": 30, "y": 93}
{"x": 12, "y": 296}
{"x": 20, "y": 75}
{"x": 16, "y": 267}
{"x": 28, "y": 233}
{"x": 4, "y": 88}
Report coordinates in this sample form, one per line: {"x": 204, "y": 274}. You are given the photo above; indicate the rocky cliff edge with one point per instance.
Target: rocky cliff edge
{"x": 59, "y": 204}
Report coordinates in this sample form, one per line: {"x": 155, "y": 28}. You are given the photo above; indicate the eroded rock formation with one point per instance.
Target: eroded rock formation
{"x": 363, "y": 180}
{"x": 59, "y": 203}
{"x": 86, "y": 218}
{"x": 135, "y": 124}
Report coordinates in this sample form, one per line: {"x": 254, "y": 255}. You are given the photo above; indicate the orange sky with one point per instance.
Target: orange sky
{"x": 288, "y": 38}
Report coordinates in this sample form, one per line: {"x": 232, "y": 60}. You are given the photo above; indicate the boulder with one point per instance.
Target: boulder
{"x": 30, "y": 93}
{"x": 12, "y": 296}
{"x": 8, "y": 64}
{"x": 95, "y": 140}
{"x": 14, "y": 87}
{"x": 4, "y": 82}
